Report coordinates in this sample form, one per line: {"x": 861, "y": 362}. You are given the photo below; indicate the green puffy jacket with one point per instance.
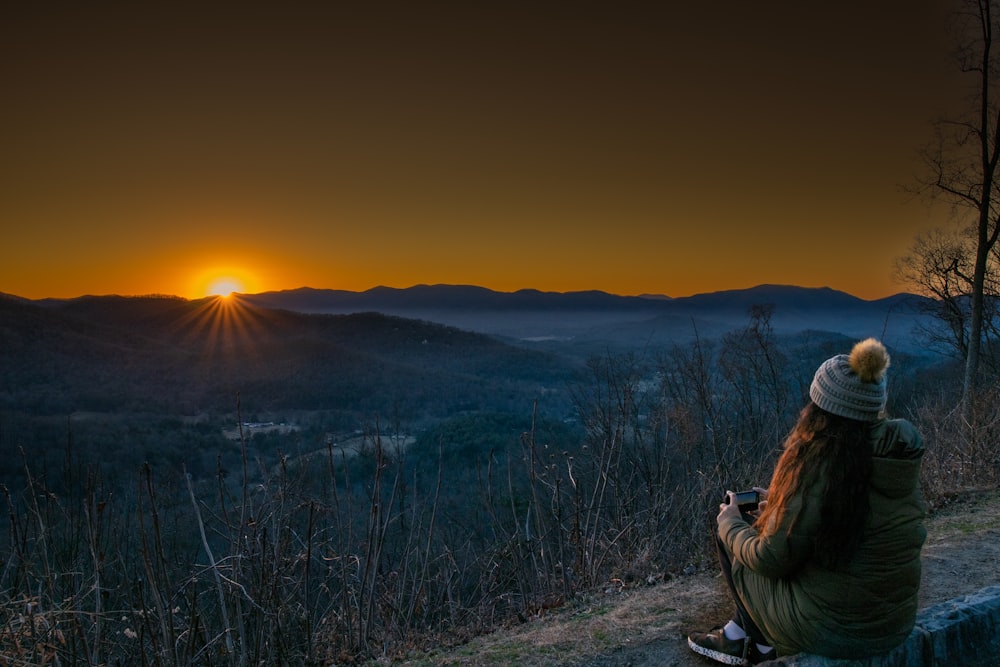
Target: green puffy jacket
{"x": 865, "y": 607}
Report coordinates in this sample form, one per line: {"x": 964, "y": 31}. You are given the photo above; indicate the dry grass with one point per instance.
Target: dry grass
{"x": 592, "y": 624}
{"x": 963, "y": 514}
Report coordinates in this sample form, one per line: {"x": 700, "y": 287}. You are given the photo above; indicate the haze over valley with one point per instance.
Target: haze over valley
{"x": 594, "y": 320}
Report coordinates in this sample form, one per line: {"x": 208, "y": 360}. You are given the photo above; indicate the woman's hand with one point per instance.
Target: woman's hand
{"x": 763, "y": 498}
{"x": 730, "y": 508}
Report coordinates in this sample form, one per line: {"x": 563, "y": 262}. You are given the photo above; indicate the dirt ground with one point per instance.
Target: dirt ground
{"x": 648, "y": 626}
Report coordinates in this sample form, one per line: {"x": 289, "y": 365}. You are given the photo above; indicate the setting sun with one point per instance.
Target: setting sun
{"x": 223, "y": 281}
{"x": 224, "y": 286}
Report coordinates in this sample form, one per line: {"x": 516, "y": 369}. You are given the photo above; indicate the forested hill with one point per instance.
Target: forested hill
{"x": 169, "y": 355}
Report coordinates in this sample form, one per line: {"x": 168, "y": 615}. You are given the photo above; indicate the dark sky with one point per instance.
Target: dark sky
{"x": 684, "y": 148}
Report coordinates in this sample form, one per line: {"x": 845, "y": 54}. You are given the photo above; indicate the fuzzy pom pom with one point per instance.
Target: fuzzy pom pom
{"x": 869, "y": 360}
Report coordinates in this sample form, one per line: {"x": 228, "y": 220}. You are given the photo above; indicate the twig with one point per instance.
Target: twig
{"x": 215, "y": 570}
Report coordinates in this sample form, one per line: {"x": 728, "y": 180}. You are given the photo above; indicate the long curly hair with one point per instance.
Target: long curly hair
{"x": 838, "y": 451}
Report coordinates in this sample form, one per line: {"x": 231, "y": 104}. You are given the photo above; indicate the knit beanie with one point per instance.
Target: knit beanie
{"x": 853, "y": 386}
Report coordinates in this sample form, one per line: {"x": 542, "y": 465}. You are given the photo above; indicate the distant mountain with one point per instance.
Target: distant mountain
{"x": 169, "y": 355}
{"x": 442, "y": 297}
{"x": 793, "y": 310}
{"x": 592, "y": 320}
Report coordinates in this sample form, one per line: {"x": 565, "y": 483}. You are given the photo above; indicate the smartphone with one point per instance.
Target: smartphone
{"x": 748, "y": 501}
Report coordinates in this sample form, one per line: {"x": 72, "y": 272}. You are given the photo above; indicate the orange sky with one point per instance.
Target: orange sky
{"x": 595, "y": 146}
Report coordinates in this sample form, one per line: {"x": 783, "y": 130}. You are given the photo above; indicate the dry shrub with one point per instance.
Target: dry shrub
{"x": 959, "y": 455}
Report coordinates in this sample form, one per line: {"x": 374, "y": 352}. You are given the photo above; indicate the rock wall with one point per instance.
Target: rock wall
{"x": 963, "y": 631}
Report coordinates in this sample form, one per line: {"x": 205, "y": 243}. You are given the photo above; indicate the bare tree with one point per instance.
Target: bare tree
{"x": 964, "y": 157}
{"x": 754, "y": 366}
{"x": 940, "y": 265}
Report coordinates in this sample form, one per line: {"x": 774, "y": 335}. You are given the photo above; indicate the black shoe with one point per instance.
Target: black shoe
{"x": 716, "y": 646}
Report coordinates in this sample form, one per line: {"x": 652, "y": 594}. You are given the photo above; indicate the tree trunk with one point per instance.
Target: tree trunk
{"x": 969, "y": 382}
{"x": 989, "y": 144}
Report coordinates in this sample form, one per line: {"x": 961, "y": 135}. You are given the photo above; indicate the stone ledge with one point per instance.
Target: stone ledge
{"x": 961, "y": 631}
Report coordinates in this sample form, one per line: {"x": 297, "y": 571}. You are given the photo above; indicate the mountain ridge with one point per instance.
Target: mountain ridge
{"x": 596, "y": 321}
{"x": 440, "y": 294}
{"x": 593, "y": 321}
{"x": 445, "y": 295}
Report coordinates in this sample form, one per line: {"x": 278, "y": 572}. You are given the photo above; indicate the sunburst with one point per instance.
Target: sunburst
{"x": 223, "y": 279}
{"x": 225, "y": 286}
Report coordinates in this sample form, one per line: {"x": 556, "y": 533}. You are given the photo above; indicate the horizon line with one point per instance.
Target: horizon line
{"x": 643, "y": 295}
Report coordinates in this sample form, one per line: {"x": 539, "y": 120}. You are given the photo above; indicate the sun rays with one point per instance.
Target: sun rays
{"x": 221, "y": 334}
